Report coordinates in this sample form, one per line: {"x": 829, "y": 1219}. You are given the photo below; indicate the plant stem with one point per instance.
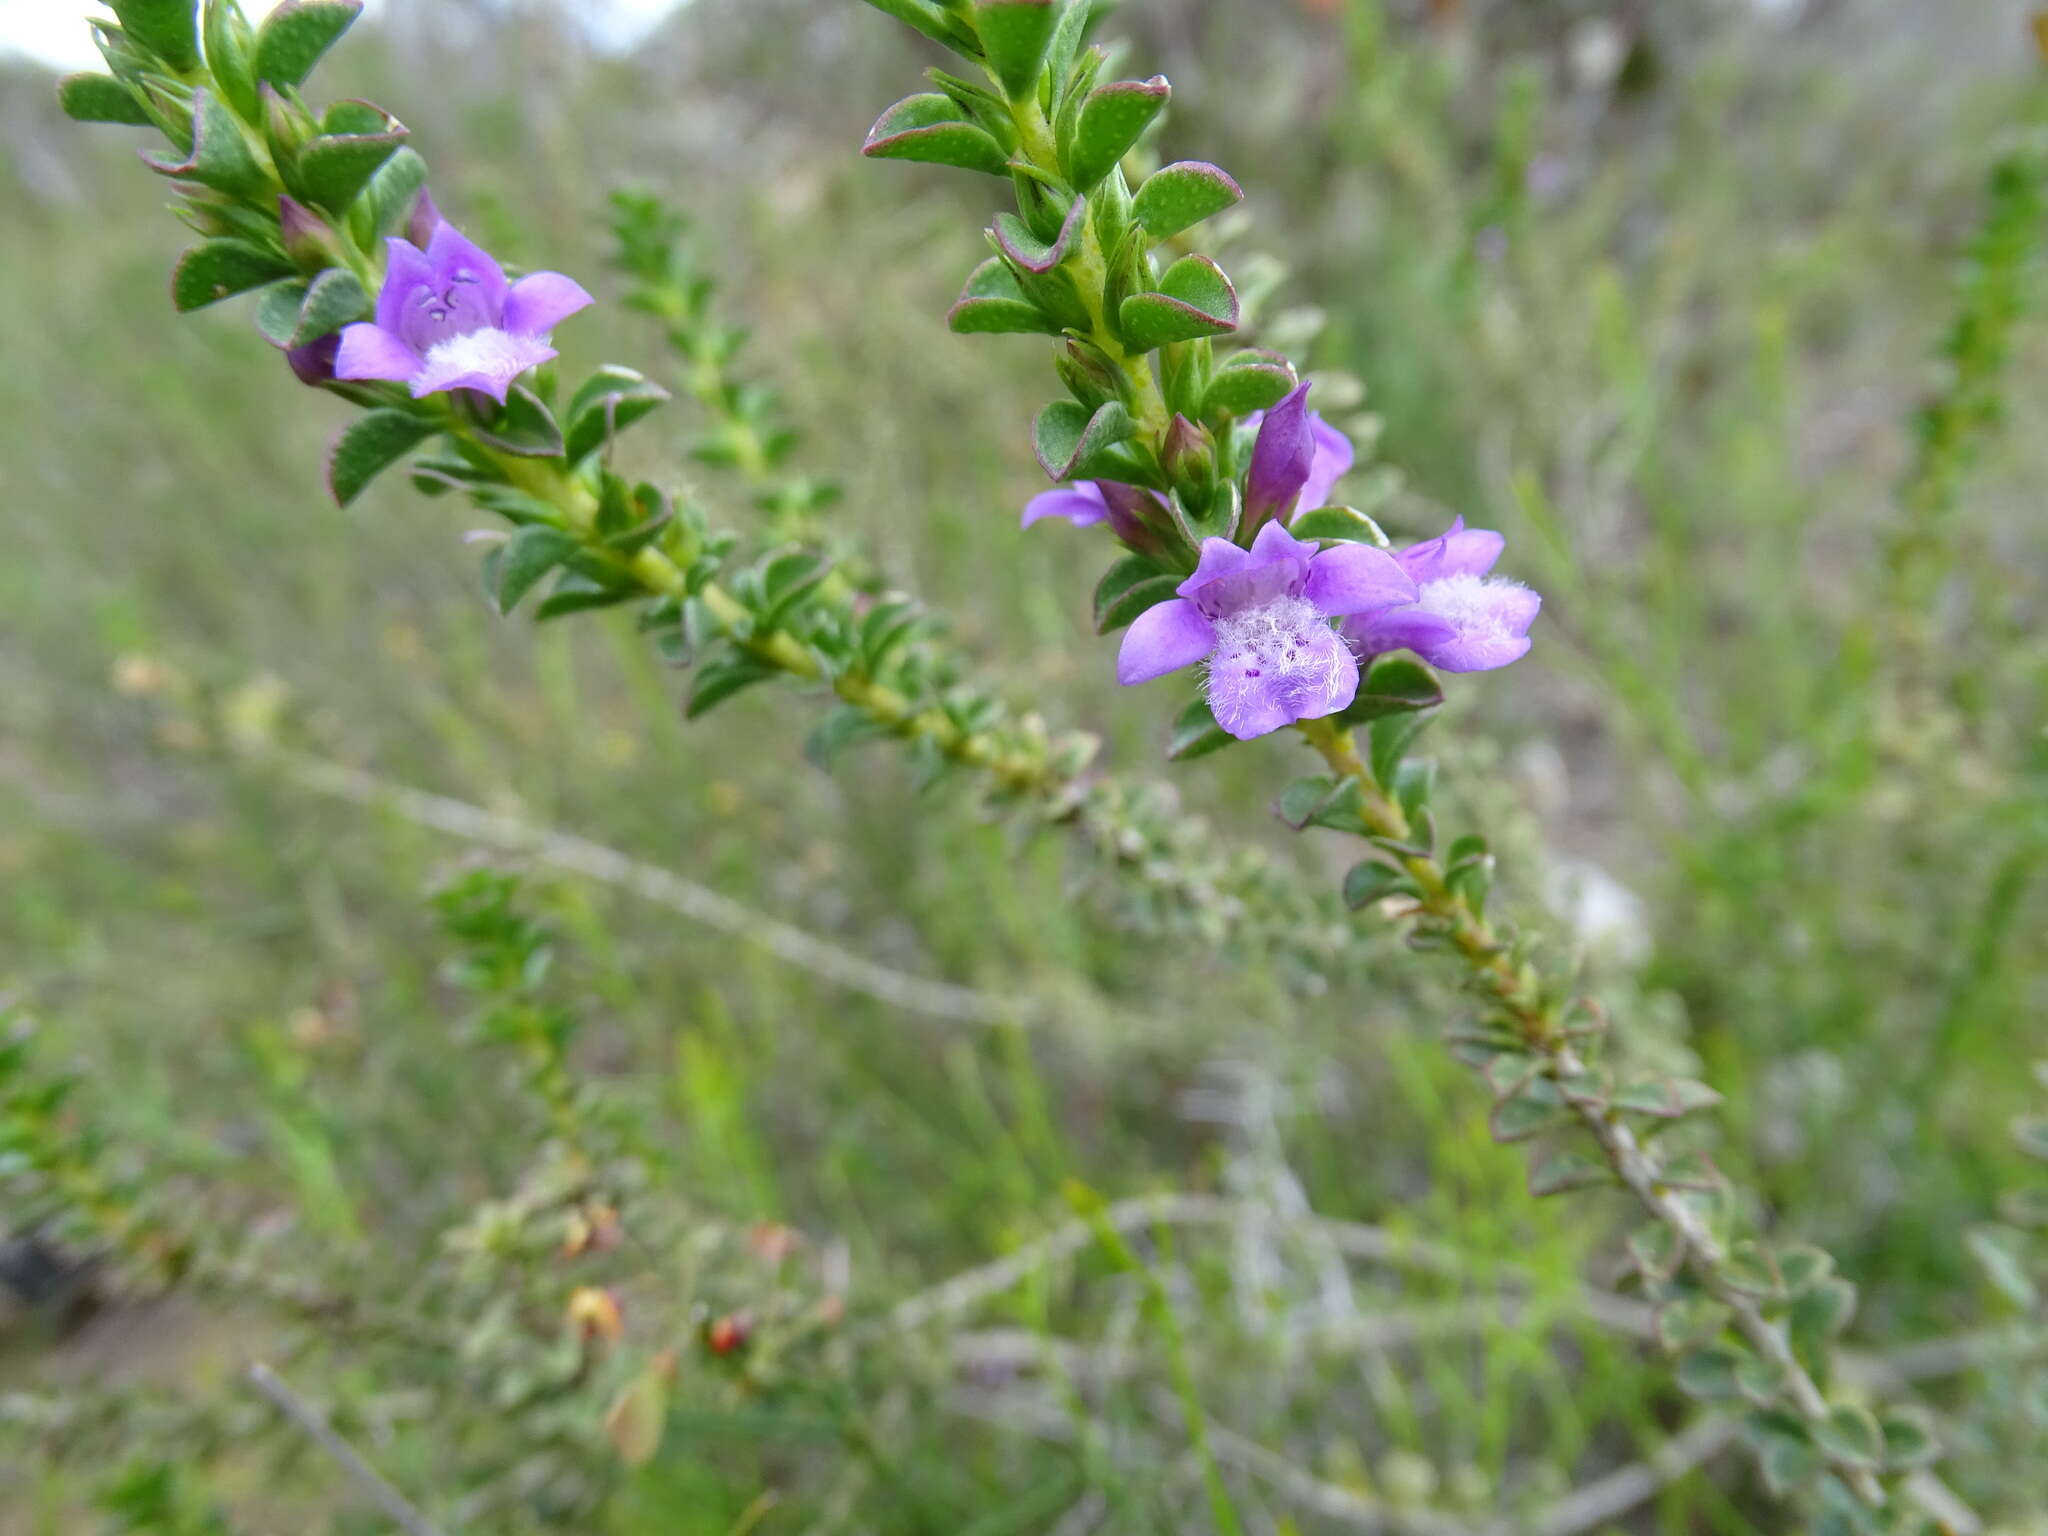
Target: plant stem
{"x": 1538, "y": 1017}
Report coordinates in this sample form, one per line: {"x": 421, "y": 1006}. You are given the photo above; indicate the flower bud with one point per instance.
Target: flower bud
{"x": 309, "y": 240}
{"x": 1090, "y": 377}
{"x": 596, "y": 1315}
{"x": 287, "y": 126}
{"x": 1189, "y": 458}
{"x": 727, "y": 1336}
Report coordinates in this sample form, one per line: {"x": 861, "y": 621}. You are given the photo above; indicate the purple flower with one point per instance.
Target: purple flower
{"x": 1261, "y": 618}
{"x": 1123, "y": 507}
{"x": 1296, "y": 462}
{"x": 314, "y": 362}
{"x": 1462, "y": 620}
{"x": 447, "y": 319}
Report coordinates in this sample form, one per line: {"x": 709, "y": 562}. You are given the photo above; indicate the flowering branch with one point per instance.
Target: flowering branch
{"x": 1215, "y": 476}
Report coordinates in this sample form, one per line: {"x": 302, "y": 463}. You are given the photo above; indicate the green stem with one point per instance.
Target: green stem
{"x": 1538, "y": 1017}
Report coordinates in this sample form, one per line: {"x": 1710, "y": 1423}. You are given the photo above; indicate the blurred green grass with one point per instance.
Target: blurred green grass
{"x": 1666, "y": 330}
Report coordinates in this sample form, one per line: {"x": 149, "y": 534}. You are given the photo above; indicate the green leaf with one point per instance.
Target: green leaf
{"x": 1196, "y": 734}
{"x": 1909, "y": 1438}
{"x": 1684, "y": 1322}
{"x": 1693, "y": 1171}
{"x": 609, "y": 402}
{"x": 1521, "y": 1116}
{"x": 1817, "y": 1317}
{"x": 336, "y": 299}
{"x": 1129, "y": 573}
{"x": 1803, "y": 1266}
{"x": 571, "y": 599}
{"x": 167, "y": 28}
{"x": 296, "y": 35}
{"x": 720, "y": 681}
{"x": 1067, "y": 437}
{"x": 1392, "y": 735}
{"x": 927, "y": 18}
{"x": 1751, "y": 1268}
{"x": 368, "y": 447}
{"x": 1109, "y": 126}
{"x": 1710, "y": 1373}
{"x": 1321, "y": 801}
{"x": 1657, "y": 1251}
{"x": 1666, "y": 1098}
{"x": 220, "y": 269}
{"x": 1788, "y": 1465}
{"x": 846, "y": 726}
{"x": 1017, "y": 242}
{"x": 788, "y": 579}
{"x": 277, "y": 312}
{"x": 1127, "y": 606}
{"x": 1014, "y": 35}
{"x": 1342, "y": 525}
{"x": 1180, "y": 196}
{"x": 1565, "y": 1171}
{"x": 221, "y": 158}
{"x": 524, "y": 426}
{"x": 932, "y": 129}
{"x": 1394, "y": 685}
{"x": 387, "y": 202}
{"x": 519, "y": 564}
{"x": 2031, "y": 1132}
{"x": 1370, "y": 881}
{"x": 995, "y": 304}
{"x": 91, "y": 98}
{"x": 1194, "y": 300}
{"x": 1249, "y": 381}
{"x": 1851, "y": 1437}
{"x": 333, "y": 170}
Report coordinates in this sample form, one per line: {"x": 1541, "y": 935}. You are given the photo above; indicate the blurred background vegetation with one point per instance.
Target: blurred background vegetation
{"x": 1660, "y": 291}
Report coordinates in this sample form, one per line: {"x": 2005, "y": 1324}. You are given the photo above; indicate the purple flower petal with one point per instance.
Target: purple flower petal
{"x": 1333, "y": 461}
{"x": 484, "y": 360}
{"x": 1356, "y": 578}
{"x": 371, "y": 352}
{"x": 1398, "y": 629}
{"x": 1282, "y": 459}
{"x": 314, "y": 362}
{"x": 425, "y": 221}
{"x": 1460, "y": 624}
{"x": 543, "y": 300}
{"x": 459, "y": 263}
{"x": 1164, "y": 639}
{"x": 1459, "y": 551}
{"x": 407, "y": 274}
{"x": 1274, "y": 667}
{"x": 1084, "y": 506}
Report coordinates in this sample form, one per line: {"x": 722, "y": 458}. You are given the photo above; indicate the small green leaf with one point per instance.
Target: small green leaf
{"x": 1818, "y": 1316}
{"x": 296, "y": 35}
{"x": 1751, "y": 1268}
{"x": 1521, "y": 1116}
{"x": 336, "y": 299}
{"x": 277, "y": 312}
{"x": 1693, "y": 1171}
{"x": 1657, "y": 1251}
{"x": 1304, "y": 800}
{"x": 383, "y": 207}
{"x": 1196, "y": 734}
{"x": 368, "y": 447}
{"x": 1564, "y": 1171}
{"x": 1371, "y": 881}
{"x": 1067, "y": 437}
{"x": 1343, "y": 525}
{"x": 609, "y": 402}
{"x": 1392, "y": 735}
{"x": 221, "y": 158}
{"x": 1127, "y": 606}
{"x": 167, "y": 28}
{"x": 720, "y": 681}
{"x": 1709, "y": 1373}
{"x": 1850, "y": 1436}
{"x": 220, "y": 269}
{"x": 786, "y": 581}
{"x": 1788, "y": 1466}
{"x": 524, "y": 426}
{"x": 1804, "y": 1266}
{"x": 91, "y": 98}
{"x": 1180, "y": 196}
{"x": 1014, "y": 35}
{"x": 1128, "y": 574}
{"x": 1194, "y": 300}
{"x": 1248, "y": 382}
{"x": 522, "y": 561}
{"x": 1017, "y": 242}
{"x": 927, "y": 18}
{"x": 1687, "y": 1321}
{"x": 995, "y": 304}
{"x": 1394, "y": 685}
{"x": 931, "y": 128}
{"x": 1111, "y": 122}
{"x": 333, "y": 170}
{"x": 1909, "y": 1438}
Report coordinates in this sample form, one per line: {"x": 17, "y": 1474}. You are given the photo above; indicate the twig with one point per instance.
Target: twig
{"x": 321, "y": 1433}
{"x": 608, "y": 866}
{"x": 1352, "y": 1239}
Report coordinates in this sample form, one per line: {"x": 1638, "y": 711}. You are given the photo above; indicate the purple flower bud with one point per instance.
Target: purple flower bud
{"x": 1297, "y": 461}
{"x": 1261, "y": 619}
{"x": 447, "y": 319}
{"x": 314, "y": 362}
{"x": 308, "y": 238}
{"x": 1463, "y": 620}
{"x": 1128, "y": 509}
{"x": 426, "y": 218}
